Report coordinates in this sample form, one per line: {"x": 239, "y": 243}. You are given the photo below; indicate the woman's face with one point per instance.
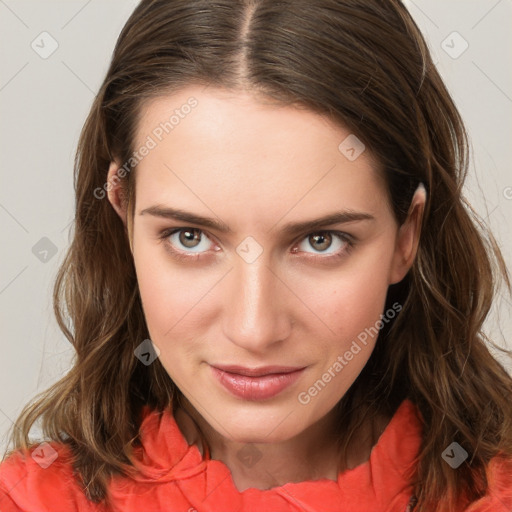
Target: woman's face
{"x": 249, "y": 286}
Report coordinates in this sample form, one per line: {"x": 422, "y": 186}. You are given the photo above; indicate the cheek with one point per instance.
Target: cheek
{"x": 349, "y": 299}
{"x": 351, "y": 307}
{"x": 360, "y": 304}
{"x": 167, "y": 294}
{"x": 168, "y": 300}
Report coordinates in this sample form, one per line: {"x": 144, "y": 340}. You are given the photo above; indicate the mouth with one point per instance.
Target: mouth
{"x": 256, "y": 383}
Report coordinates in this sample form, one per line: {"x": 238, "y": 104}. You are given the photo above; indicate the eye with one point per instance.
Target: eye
{"x": 191, "y": 243}
{"x": 189, "y": 240}
{"x": 323, "y": 240}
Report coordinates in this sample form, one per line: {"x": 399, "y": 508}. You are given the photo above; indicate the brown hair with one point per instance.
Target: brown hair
{"x": 366, "y": 65}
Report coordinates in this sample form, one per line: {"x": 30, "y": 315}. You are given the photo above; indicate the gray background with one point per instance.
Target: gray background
{"x": 44, "y": 103}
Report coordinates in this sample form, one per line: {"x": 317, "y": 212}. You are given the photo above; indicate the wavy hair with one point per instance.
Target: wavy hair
{"x": 366, "y": 65}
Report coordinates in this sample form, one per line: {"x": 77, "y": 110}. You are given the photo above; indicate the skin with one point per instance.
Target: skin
{"x": 256, "y": 166}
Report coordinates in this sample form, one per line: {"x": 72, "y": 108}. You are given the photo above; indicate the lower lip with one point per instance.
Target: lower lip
{"x": 256, "y": 388}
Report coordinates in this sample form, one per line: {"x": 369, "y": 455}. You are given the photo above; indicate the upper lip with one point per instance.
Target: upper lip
{"x": 257, "y": 372}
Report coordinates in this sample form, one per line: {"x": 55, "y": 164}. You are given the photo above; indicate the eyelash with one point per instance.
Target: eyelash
{"x": 349, "y": 240}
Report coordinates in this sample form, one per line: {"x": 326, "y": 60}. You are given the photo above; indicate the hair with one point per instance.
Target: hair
{"x": 366, "y": 66}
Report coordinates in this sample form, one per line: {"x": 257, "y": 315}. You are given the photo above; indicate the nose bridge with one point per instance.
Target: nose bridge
{"x": 255, "y": 318}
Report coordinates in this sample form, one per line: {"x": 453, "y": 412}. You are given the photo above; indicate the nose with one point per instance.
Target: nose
{"x": 257, "y": 315}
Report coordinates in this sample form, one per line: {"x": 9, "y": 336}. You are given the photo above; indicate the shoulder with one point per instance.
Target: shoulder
{"x": 498, "y": 497}
{"x": 499, "y": 493}
{"x": 41, "y": 479}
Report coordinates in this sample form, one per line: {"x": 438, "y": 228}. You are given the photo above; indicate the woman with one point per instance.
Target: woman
{"x": 276, "y": 288}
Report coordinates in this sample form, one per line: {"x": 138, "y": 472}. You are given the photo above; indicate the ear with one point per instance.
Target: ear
{"x": 408, "y": 237}
{"x": 116, "y": 192}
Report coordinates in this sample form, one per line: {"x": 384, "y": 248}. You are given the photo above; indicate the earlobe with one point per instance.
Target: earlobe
{"x": 116, "y": 193}
{"x": 408, "y": 237}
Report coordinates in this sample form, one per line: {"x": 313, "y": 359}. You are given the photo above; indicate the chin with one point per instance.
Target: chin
{"x": 259, "y": 426}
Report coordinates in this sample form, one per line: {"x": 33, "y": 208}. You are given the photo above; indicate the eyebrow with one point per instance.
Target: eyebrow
{"x": 292, "y": 228}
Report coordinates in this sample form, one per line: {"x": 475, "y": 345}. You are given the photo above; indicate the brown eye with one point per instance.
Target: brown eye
{"x": 320, "y": 241}
{"x": 189, "y": 237}
{"x": 187, "y": 240}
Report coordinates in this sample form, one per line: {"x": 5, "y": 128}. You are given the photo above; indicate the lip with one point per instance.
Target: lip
{"x": 256, "y": 383}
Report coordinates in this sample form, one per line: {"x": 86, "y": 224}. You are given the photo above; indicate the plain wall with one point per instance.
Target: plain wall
{"x": 44, "y": 103}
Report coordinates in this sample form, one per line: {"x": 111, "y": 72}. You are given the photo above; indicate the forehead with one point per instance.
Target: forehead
{"x": 210, "y": 146}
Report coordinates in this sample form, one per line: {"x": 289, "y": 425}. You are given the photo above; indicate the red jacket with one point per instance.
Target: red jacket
{"x": 173, "y": 477}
